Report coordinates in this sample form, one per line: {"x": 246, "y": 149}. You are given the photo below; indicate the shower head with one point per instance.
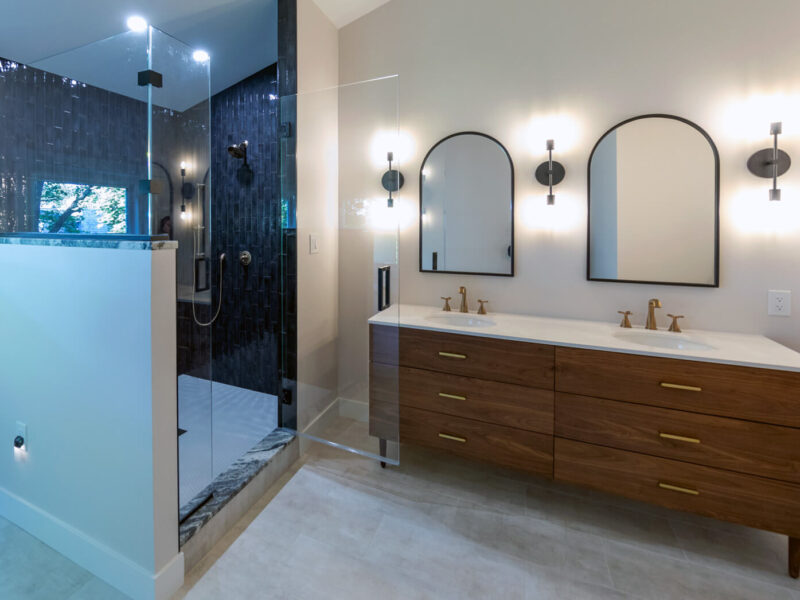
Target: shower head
{"x": 239, "y": 151}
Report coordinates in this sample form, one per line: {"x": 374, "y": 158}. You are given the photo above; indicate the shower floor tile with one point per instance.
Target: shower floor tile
{"x": 218, "y": 432}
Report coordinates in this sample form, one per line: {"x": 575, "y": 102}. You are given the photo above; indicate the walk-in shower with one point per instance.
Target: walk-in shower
{"x": 137, "y": 145}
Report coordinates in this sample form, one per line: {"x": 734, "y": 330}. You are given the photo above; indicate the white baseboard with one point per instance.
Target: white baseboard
{"x": 97, "y": 558}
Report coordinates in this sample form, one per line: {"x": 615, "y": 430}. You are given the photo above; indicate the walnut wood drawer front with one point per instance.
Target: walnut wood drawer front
{"x": 504, "y": 446}
{"x": 491, "y": 359}
{"x": 489, "y": 401}
{"x": 745, "y": 499}
{"x": 384, "y": 401}
{"x": 744, "y": 446}
{"x": 763, "y": 395}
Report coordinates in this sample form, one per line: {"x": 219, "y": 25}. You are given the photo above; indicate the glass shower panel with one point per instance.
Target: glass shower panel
{"x": 180, "y": 208}
{"x": 346, "y": 235}
{"x": 79, "y": 142}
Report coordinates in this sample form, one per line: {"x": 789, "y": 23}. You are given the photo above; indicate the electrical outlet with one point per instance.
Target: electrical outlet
{"x": 779, "y": 303}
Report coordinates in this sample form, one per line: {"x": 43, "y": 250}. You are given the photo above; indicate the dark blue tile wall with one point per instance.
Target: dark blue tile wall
{"x": 245, "y": 215}
{"x": 57, "y": 129}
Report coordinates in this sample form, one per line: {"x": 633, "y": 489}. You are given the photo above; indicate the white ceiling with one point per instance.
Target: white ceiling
{"x": 343, "y": 12}
{"x": 240, "y": 36}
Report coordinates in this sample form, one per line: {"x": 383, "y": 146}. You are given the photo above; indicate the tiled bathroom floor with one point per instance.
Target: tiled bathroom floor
{"x": 30, "y": 570}
{"x": 441, "y": 528}
{"x": 216, "y": 437}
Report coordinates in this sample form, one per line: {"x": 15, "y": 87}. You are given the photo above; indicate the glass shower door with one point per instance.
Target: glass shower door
{"x": 340, "y": 363}
{"x": 180, "y": 209}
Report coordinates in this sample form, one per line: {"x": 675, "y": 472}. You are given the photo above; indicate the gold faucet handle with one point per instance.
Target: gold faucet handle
{"x": 482, "y": 309}
{"x": 446, "y": 303}
{"x": 626, "y": 322}
{"x": 674, "y": 326}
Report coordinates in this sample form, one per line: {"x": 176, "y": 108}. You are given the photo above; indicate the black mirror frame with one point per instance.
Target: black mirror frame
{"x": 716, "y": 204}
{"x": 510, "y": 164}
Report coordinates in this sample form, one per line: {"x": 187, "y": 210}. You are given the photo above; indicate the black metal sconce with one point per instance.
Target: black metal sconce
{"x": 187, "y": 188}
{"x": 19, "y": 442}
{"x": 392, "y": 180}
{"x": 550, "y": 173}
{"x": 771, "y": 162}
{"x": 187, "y": 191}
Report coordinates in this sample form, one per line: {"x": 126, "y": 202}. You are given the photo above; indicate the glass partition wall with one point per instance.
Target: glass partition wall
{"x": 115, "y": 139}
{"x": 121, "y": 132}
{"x": 346, "y": 238}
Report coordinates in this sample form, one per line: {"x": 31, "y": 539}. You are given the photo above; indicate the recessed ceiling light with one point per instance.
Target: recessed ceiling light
{"x": 200, "y": 56}
{"x": 137, "y": 24}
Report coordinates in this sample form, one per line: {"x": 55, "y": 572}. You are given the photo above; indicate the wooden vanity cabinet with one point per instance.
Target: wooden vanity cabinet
{"x": 717, "y": 440}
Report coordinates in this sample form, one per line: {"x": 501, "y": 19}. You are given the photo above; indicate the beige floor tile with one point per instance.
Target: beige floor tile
{"x": 440, "y": 527}
{"x": 658, "y": 577}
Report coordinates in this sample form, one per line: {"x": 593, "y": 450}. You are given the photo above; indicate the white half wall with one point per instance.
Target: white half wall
{"x": 87, "y": 362}
{"x": 571, "y": 69}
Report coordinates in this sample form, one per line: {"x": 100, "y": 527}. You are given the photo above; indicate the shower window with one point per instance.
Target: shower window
{"x": 82, "y": 208}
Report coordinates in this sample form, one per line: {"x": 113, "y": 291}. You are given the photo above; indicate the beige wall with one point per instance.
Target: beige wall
{"x": 505, "y": 67}
{"x": 317, "y": 211}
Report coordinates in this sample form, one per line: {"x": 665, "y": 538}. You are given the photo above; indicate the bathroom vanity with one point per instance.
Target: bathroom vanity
{"x": 702, "y": 422}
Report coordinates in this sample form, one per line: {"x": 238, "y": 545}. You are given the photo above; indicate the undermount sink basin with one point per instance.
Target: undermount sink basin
{"x": 666, "y": 339}
{"x": 460, "y": 319}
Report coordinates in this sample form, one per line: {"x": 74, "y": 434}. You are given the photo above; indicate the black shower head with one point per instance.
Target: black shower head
{"x": 239, "y": 151}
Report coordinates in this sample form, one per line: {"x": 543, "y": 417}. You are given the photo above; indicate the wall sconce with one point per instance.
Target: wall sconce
{"x": 187, "y": 191}
{"x": 550, "y": 173}
{"x": 187, "y": 188}
{"x": 771, "y": 162}
{"x": 392, "y": 180}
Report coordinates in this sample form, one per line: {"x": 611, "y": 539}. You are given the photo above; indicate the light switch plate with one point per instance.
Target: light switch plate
{"x": 779, "y": 303}
{"x": 313, "y": 243}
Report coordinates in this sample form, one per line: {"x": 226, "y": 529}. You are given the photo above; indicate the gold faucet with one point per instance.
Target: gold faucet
{"x": 482, "y": 309}
{"x": 652, "y": 304}
{"x": 674, "y": 325}
{"x": 463, "y": 291}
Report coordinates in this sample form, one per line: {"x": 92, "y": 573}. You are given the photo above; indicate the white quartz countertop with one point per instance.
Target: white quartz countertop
{"x": 706, "y": 346}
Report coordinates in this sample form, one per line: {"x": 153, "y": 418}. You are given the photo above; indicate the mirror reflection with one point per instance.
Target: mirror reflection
{"x": 653, "y": 204}
{"x": 467, "y": 207}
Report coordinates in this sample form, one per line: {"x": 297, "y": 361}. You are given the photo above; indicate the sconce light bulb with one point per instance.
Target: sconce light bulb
{"x": 183, "y": 209}
{"x": 775, "y": 194}
{"x": 551, "y": 199}
{"x": 390, "y": 203}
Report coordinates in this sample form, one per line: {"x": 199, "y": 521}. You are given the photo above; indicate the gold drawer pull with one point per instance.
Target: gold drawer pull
{"x": 453, "y": 438}
{"x": 680, "y": 438}
{"x": 675, "y": 488}
{"x": 452, "y": 355}
{"x": 678, "y": 386}
{"x": 451, "y": 396}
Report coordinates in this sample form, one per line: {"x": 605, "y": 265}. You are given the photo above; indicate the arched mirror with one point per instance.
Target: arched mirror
{"x": 654, "y": 204}
{"x": 466, "y": 206}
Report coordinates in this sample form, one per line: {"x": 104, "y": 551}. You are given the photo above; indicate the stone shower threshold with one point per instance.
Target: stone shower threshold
{"x": 200, "y": 509}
